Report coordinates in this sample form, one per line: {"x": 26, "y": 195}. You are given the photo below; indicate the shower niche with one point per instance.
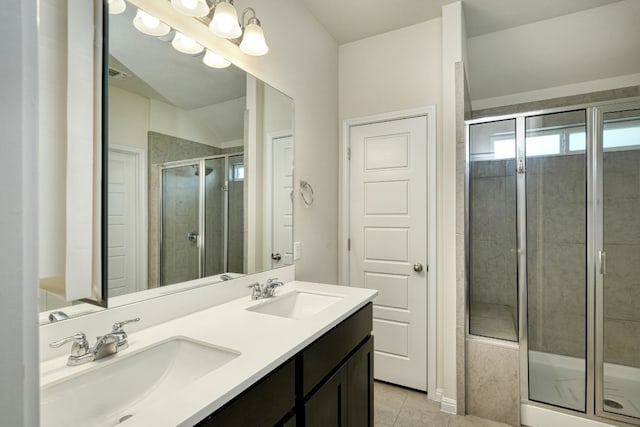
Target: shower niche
{"x": 553, "y": 252}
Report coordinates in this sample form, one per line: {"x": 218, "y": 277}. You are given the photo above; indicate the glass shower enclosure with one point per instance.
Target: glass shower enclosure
{"x": 201, "y": 218}
{"x": 553, "y": 243}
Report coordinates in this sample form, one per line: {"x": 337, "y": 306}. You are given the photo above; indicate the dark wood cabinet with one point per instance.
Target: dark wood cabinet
{"x": 327, "y": 407}
{"x": 345, "y": 399}
{"x": 329, "y": 383}
{"x": 269, "y": 402}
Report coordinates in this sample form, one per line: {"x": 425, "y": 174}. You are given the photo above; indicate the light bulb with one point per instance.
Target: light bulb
{"x": 186, "y": 44}
{"x": 213, "y": 60}
{"x": 116, "y": 6}
{"x": 149, "y": 24}
{"x": 196, "y": 8}
{"x": 225, "y": 21}
{"x": 253, "y": 42}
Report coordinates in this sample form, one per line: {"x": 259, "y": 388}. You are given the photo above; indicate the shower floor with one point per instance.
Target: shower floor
{"x": 492, "y": 320}
{"x": 560, "y": 380}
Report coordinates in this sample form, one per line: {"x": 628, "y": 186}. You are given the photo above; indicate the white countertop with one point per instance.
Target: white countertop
{"x": 263, "y": 341}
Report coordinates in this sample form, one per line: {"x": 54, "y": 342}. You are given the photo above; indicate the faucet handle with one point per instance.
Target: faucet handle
{"x": 117, "y": 327}
{"x": 80, "y": 344}
{"x": 274, "y": 282}
{"x": 256, "y": 290}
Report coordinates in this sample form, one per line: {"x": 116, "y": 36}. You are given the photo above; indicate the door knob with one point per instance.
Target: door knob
{"x": 276, "y": 257}
{"x": 418, "y": 268}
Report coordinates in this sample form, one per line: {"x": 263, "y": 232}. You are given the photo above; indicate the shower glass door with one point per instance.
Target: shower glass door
{"x": 556, "y": 253}
{"x": 619, "y": 272}
{"x": 215, "y": 213}
{"x": 180, "y": 255}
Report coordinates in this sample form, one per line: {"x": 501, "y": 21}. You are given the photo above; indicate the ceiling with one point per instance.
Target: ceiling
{"x": 352, "y": 20}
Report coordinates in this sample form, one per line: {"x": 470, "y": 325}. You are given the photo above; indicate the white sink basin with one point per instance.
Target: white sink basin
{"x": 296, "y": 305}
{"x": 118, "y": 387}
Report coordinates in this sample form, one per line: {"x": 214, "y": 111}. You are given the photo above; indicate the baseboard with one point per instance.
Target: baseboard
{"x": 439, "y": 395}
{"x": 450, "y": 406}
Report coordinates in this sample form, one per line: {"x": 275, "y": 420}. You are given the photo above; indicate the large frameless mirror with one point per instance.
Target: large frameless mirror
{"x": 199, "y": 169}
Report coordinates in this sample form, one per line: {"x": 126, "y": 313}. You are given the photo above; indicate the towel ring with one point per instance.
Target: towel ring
{"x": 306, "y": 192}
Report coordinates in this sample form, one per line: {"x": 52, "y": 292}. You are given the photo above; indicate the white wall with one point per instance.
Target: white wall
{"x": 453, "y": 51}
{"x": 19, "y": 368}
{"x": 393, "y": 71}
{"x": 587, "y": 51}
{"x": 128, "y": 118}
{"x": 132, "y": 116}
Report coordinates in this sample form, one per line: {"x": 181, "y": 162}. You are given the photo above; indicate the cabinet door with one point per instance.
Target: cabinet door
{"x": 360, "y": 386}
{"x": 265, "y": 404}
{"x": 328, "y": 406}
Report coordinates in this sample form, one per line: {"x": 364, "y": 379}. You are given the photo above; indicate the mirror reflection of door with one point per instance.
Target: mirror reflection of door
{"x": 126, "y": 253}
{"x": 282, "y": 201}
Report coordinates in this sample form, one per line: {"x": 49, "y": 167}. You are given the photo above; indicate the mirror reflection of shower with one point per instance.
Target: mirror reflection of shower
{"x": 201, "y": 229}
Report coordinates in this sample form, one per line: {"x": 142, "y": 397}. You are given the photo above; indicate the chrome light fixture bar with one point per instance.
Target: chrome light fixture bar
{"x": 224, "y": 23}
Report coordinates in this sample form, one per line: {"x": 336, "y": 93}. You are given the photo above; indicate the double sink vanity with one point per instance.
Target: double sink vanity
{"x": 303, "y": 356}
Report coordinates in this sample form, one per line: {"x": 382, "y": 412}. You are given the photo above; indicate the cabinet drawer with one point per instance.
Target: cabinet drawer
{"x": 263, "y": 405}
{"x": 324, "y": 355}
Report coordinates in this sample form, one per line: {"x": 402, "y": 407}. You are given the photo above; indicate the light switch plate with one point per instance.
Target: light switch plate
{"x": 296, "y": 251}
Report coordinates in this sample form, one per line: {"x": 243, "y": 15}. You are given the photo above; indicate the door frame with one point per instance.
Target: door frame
{"x": 267, "y": 210}
{"x": 343, "y": 262}
{"x": 140, "y": 159}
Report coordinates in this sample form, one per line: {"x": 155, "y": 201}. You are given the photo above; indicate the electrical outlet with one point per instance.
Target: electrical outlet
{"x": 296, "y": 251}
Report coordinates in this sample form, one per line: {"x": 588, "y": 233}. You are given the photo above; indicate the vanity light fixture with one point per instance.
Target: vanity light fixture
{"x": 195, "y": 8}
{"x": 247, "y": 33}
{"x": 225, "y": 20}
{"x": 116, "y": 6}
{"x": 186, "y": 44}
{"x": 150, "y": 25}
{"x": 213, "y": 60}
{"x": 253, "y": 42}
{"x": 225, "y": 24}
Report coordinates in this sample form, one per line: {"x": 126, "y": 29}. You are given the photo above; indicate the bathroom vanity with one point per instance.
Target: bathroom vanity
{"x": 329, "y": 383}
{"x": 303, "y": 357}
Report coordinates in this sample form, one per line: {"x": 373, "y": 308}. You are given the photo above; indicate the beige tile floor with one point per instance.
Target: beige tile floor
{"x": 401, "y": 407}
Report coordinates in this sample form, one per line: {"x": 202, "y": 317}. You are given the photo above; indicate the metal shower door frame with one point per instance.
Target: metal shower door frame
{"x": 200, "y": 162}
{"x": 594, "y": 358}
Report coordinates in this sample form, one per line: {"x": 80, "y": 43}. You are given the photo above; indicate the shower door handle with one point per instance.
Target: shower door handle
{"x": 603, "y": 262}
{"x": 193, "y": 237}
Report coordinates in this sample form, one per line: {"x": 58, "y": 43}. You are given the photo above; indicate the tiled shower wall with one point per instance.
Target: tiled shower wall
{"x": 622, "y": 246}
{"x": 493, "y": 257}
{"x": 556, "y": 250}
{"x": 556, "y": 254}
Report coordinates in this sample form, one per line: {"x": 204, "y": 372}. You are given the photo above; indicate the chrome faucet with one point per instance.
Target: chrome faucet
{"x": 106, "y": 345}
{"x": 266, "y": 290}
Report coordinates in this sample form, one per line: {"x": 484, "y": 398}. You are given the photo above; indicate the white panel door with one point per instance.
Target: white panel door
{"x": 388, "y": 232}
{"x": 282, "y": 229}
{"x": 123, "y": 244}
